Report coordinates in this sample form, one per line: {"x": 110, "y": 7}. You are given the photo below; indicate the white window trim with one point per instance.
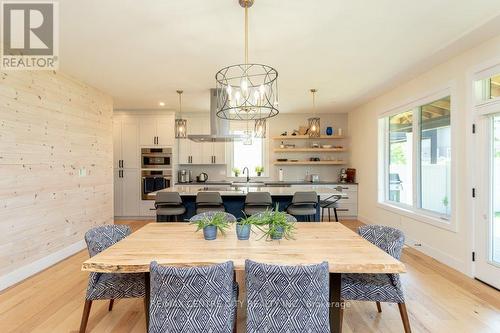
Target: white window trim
{"x": 413, "y": 212}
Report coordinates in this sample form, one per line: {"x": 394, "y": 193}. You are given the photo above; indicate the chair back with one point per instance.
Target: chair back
{"x": 258, "y": 199}
{"x": 229, "y": 217}
{"x": 291, "y": 297}
{"x": 100, "y": 238}
{"x": 389, "y": 239}
{"x": 305, "y": 198}
{"x": 192, "y": 299}
{"x": 289, "y": 218}
{"x": 168, "y": 198}
{"x": 208, "y": 198}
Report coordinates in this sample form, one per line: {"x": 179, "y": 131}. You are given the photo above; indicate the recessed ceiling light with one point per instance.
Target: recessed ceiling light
{"x": 161, "y": 103}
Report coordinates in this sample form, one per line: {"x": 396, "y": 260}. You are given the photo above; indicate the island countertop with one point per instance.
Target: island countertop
{"x": 241, "y": 191}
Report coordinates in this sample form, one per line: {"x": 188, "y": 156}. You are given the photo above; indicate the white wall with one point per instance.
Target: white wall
{"x": 56, "y": 179}
{"x": 451, "y": 247}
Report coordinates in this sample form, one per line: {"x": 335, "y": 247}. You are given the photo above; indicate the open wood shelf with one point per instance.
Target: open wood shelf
{"x": 310, "y": 163}
{"x": 307, "y": 150}
{"x": 306, "y": 137}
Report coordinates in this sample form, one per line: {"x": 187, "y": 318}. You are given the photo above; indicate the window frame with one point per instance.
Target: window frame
{"x": 265, "y": 158}
{"x": 414, "y": 211}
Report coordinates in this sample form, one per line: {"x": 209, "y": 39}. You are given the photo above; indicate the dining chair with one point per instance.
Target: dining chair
{"x": 257, "y": 202}
{"x": 168, "y": 206}
{"x": 289, "y": 218}
{"x": 330, "y": 203}
{"x": 304, "y": 204}
{"x": 379, "y": 287}
{"x": 287, "y": 298}
{"x": 193, "y": 299}
{"x": 229, "y": 217}
{"x": 208, "y": 202}
{"x": 109, "y": 286}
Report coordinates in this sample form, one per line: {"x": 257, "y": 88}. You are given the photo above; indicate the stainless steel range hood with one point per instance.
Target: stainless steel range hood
{"x": 219, "y": 128}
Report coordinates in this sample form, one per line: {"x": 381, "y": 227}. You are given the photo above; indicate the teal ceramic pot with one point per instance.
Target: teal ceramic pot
{"x": 210, "y": 232}
{"x": 243, "y": 231}
{"x": 278, "y": 234}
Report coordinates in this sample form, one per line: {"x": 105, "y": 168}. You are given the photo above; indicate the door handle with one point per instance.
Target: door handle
{"x": 123, "y": 164}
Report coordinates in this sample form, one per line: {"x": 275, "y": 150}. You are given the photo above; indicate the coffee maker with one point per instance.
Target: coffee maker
{"x": 184, "y": 176}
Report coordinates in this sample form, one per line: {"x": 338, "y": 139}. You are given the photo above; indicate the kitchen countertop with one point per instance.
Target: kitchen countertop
{"x": 271, "y": 182}
{"x": 190, "y": 190}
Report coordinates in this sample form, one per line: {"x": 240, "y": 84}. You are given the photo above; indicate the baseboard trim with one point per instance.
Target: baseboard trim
{"x": 31, "y": 269}
{"x": 429, "y": 250}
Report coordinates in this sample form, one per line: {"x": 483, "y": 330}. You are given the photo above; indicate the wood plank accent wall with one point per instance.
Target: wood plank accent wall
{"x": 51, "y": 126}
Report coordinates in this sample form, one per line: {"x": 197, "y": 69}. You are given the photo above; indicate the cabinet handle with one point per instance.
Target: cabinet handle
{"x": 123, "y": 164}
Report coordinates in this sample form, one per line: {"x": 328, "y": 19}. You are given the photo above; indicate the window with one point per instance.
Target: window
{"x": 417, "y": 156}
{"x": 487, "y": 89}
{"x": 248, "y": 155}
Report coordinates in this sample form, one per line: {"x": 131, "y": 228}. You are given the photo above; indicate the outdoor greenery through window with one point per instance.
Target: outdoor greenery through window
{"x": 487, "y": 89}
{"x": 248, "y": 153}
{"x": 419, "y": 157}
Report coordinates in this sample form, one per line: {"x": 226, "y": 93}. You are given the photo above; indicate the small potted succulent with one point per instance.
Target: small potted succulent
{"x": 236, "y": 172}
{"x": 212, "y": 224}
{"x": 276, "y": 225}
{"x": 244, "y": 226}
{"x": 259, "y": 170}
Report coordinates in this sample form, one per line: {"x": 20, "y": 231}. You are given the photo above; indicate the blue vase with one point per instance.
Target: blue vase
{"x": 210, "y": 232}
{"x": 243, "y": 231}
{"x": 329, "y": 130}
{"x": 278, "y": 233}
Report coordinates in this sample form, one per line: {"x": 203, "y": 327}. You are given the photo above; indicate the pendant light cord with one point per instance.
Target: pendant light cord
{"x": 246, "y": 34}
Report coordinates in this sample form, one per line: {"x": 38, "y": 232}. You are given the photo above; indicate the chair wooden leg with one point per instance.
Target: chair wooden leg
{"x": 85, "y": 316}
{"x": 379, "y": 308}
{"x": 404, "y": 317}
{"x": 110, "y": 307}
{"x": 342, "y": 306}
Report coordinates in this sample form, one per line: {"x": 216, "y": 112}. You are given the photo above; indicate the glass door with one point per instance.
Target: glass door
{"x": 487, "y": 240}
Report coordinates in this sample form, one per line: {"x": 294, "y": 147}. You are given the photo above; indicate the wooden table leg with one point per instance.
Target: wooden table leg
{"x": 335, "y": 303}
{"x": 147, "y": 289}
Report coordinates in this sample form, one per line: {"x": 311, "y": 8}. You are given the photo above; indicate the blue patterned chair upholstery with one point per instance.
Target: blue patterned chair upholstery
{"x": 193, "y": 299}
{"x": 378, "y": 287}
{"x": 109, "y": 285}
{"x": 287, "y": 298}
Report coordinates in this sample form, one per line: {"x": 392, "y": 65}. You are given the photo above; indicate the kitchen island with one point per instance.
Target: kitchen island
{"x": 234, "y": 196}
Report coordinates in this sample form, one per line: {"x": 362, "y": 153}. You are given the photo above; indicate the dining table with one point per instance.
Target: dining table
{"x": 177, "y": 244}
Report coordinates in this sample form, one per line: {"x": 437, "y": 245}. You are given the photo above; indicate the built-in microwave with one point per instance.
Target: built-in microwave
{"x": 156, "y": 158}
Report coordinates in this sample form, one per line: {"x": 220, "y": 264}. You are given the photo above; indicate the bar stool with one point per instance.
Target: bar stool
{"x": 304, "y": 204}
{"x": 168, "y": 206}
{"x": 330, "y": 204}
{"x": 257, "y": 202}
{"x": 209, "y": 202}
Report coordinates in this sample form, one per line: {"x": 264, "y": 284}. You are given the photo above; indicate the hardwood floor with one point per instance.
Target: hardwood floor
{"x": 439, "y": 299}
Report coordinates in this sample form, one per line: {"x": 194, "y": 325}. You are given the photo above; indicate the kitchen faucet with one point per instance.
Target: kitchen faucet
{"x": 248, "y": 173}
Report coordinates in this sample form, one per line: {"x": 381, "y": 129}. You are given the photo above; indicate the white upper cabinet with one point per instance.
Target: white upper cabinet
{"x": 157, "y": 131}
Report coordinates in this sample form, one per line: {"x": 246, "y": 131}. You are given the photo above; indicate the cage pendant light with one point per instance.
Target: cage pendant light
{"x": 180, "y": 124}
{"x": 247, "y": 91}
{"x": 314, "y": 122}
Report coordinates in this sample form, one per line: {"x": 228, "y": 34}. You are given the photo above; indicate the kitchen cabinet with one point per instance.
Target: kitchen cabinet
{"x": 127, "y": 192}
{"x": 155, "y": 131}
{"x": 126, "y": 152}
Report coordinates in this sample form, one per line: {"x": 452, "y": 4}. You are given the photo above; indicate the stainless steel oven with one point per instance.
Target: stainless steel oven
{"x": 155, "y": 180}
{"x": 156, "y": 158}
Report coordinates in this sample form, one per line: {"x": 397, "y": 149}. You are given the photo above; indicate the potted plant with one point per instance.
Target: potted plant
{"x": 236, "y": 172}
{"x": 259, "y": 170}
{"x": 244, "y": 226}
{"x": 211, "y": 225}
{"x": 276, "y": 225}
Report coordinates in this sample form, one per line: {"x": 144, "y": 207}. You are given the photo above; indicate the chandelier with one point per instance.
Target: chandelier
{"x": 180, "y": 124}
{"x": 247, "y": 91}
{"x": 314, "y": 122}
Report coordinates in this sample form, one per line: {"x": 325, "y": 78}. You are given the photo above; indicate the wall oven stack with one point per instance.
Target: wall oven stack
{"x": 156, "y": 170}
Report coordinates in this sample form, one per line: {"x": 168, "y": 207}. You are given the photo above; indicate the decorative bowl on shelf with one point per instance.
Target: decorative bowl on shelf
{"x": 327, "y": 146}
{"x": 282, "y": 159}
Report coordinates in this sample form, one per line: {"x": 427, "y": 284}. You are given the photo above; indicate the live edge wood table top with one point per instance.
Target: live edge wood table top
{"x": 177, "y": 244}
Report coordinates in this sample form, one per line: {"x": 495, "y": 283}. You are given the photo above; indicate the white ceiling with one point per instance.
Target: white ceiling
{"x": 140, "y": 52}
